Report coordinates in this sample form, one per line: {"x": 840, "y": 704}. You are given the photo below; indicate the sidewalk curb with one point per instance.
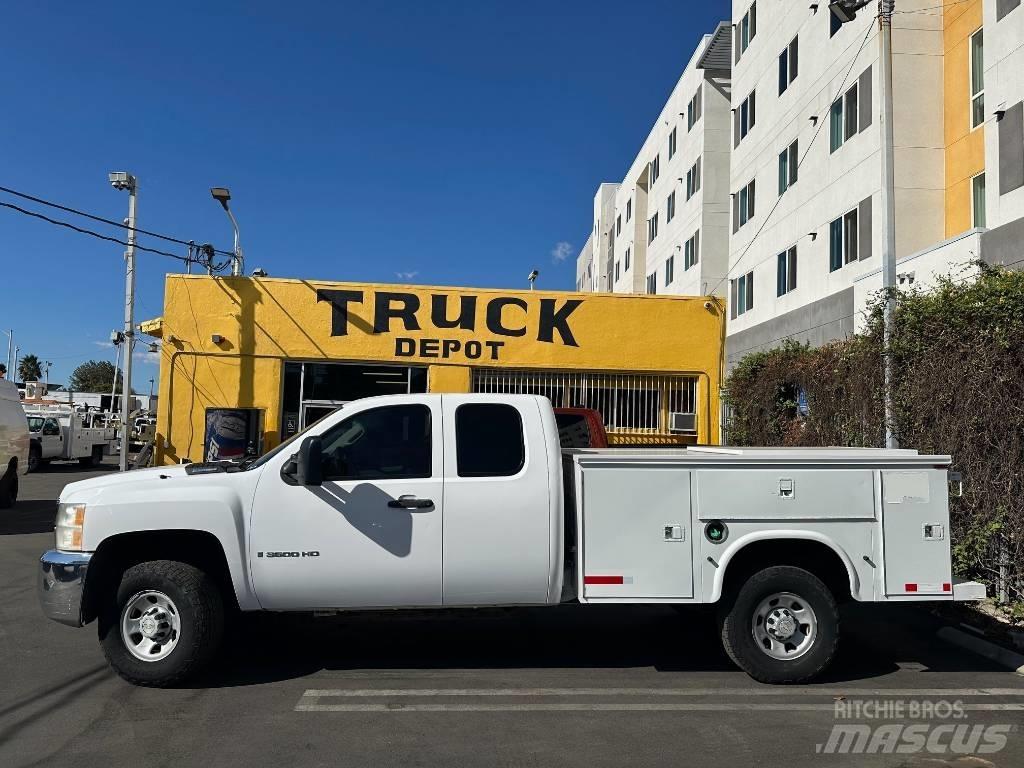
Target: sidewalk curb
{"x": 1004, "y": 657}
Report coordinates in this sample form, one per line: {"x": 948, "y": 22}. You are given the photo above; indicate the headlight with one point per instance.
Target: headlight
{"x": 70, "y": 521}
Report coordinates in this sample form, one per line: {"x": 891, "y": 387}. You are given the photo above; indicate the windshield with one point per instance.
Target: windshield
{"x": 35, "y": 423}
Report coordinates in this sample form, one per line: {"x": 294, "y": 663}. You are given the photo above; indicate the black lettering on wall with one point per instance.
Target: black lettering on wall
{"x": 439, "y": 312}
{"x": 405, "y": 347}
{"x": 383, "y": 311}
{"x": 339, "y": 307}
{"x": 494, "y": 319}
{"x": 552, "y": 320}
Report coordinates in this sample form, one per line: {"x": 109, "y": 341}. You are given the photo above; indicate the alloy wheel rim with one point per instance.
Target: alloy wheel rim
{"x": 150, "y": 626}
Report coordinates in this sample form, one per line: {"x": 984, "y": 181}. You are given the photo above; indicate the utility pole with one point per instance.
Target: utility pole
{"x": 126, "y": 181}
{"x": 10, "y": 343}
{"x": 46, "y": 376}
{"x": 845, "y": 11}
{"x": 14, "y": 371}
{"x": 885, "y": 10}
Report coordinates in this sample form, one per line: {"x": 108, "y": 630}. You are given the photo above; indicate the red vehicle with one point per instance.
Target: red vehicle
{"x": 580, "y": 428}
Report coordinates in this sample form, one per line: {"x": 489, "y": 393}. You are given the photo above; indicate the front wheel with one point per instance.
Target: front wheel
{"x": 782, "y": 626}
{"x": 164, "y": 625}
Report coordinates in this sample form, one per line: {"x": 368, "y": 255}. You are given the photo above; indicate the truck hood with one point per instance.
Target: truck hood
{"x": 76, "y": 491}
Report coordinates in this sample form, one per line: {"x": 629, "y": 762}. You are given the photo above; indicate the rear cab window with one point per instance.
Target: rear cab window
{"x": 573, "y": 430}
{"x": 489, "y": 440}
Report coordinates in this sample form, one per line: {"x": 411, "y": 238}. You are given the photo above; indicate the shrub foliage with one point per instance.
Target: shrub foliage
{"x": 958, "y": 388}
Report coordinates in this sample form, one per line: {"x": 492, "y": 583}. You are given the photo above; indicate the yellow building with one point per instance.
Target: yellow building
{"x": 964, "y": 115}
{"x": 271, "y": 355}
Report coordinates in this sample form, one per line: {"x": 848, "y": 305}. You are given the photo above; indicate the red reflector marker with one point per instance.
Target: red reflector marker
{"x": 602, "y": 580}
{"x": 910, "y": 587}
{"x": 947, "y": 587}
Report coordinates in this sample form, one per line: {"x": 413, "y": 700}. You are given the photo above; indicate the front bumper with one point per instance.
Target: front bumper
{"x": 61, "y": 585}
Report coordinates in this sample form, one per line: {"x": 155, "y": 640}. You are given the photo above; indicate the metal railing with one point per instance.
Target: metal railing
{"x": 628, "y": 402}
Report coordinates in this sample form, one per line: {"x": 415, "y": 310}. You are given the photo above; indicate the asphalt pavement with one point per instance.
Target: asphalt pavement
{"x": 574, "y": 686}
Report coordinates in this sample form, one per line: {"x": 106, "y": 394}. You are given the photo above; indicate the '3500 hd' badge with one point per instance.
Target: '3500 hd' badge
{"x": 310, "y": 553}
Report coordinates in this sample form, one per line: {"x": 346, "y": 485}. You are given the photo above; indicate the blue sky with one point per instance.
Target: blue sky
{"x": 446, "y": 142}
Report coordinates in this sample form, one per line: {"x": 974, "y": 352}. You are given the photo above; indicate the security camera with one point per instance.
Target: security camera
{"x": 708, "y": 306}
{"x": 533, "y": 275}
{"x": 259, "y": 272}
{"x": 121, "y": 180}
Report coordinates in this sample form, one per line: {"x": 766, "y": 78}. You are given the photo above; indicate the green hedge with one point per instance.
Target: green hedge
{"x": 958, "y": 388}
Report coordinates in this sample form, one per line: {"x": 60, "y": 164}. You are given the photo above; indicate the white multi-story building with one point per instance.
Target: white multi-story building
{"x": 807, "y": 236}
{"x": 665, "y": 227}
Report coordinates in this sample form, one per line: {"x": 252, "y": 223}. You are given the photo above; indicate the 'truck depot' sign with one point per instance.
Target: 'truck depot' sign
{"x": 548, "y": 321}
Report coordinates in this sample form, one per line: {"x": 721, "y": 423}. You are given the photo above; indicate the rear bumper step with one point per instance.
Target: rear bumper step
{"x": 968, "y": 590}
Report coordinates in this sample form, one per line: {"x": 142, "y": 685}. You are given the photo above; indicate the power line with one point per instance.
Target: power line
{"x": 90, "y": 232}
{"x": 817, "y": 132}
{"x": 102, "y": 220}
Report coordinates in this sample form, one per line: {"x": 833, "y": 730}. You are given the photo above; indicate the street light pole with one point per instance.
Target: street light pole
{"x": 126, "y": 181}
{"x": 222, "y": 195}
{"x": 10, "y": 346}
{"x": 885, "y": 10}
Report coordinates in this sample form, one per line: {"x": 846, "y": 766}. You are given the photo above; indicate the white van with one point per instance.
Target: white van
{"x": 13, "y": 443}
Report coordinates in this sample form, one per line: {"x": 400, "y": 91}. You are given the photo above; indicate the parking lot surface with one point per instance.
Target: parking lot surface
{"x": 574, "y": 686}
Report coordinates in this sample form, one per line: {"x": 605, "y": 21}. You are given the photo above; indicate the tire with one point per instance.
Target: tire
{"x": 782, "y": 626}
{"x": 186, "y": 613}
{"x": 34, "y": 458}
{"x": 8, "y": 490}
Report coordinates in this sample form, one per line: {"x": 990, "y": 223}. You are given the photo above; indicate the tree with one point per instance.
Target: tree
{"x": 3, "y": 371}
{"x": 94, "y": 376}
{"x": 29, "y": 368}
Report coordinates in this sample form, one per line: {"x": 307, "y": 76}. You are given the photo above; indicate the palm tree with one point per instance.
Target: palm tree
{"x": 29, "y": 368}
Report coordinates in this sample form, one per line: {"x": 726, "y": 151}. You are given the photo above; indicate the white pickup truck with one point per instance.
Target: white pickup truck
{"x": 467, "y": 500}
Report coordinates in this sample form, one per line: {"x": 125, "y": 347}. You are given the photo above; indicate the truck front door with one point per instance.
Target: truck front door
{"x": 52, "y": 439}
{"x": 370, "y": 536}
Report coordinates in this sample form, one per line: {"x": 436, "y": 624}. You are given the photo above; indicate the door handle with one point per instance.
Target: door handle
{"x": 410, "y": 502}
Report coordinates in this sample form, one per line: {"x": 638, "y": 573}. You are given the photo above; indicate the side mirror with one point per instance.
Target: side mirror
{"x": 309, "y": 465}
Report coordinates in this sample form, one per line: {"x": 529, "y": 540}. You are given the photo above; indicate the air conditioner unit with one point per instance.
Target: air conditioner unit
{"x": 682, "y": 422}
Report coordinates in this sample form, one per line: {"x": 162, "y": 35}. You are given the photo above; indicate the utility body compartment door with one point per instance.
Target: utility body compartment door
{"x": 915, "y": 532}
{"x": 637, "y": 533}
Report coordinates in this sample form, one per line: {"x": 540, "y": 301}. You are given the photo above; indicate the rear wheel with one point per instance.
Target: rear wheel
{"x": 34, "y": 458}
{"x": 782, "y": 626}
{"x": 8, "y": 489}
{"x": 164, "y": 624}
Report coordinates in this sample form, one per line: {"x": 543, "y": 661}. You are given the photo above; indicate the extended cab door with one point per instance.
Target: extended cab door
{"x": 370, "y": 536}
{"x": 497, "y": 514}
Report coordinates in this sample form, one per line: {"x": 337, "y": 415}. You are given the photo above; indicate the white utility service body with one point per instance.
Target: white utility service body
{"x": 14, "y": 442}
{"x": 453, "y": 500}
{"x": 60, "y": 433}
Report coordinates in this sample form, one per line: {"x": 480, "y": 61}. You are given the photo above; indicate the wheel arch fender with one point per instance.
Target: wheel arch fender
{"x": 794, "y": 540}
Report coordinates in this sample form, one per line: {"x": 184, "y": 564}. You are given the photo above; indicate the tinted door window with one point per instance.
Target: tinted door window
{"x": 489, "y": 440}
{"x": 379, "y": 444}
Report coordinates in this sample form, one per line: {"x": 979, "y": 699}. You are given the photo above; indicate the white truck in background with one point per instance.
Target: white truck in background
{"x": 448, "y": 500}
{"x": 14, "y": 443}
{"x": 61, "y": 433}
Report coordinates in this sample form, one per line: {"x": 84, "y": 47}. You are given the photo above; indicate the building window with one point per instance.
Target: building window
{"x": 786, "y": 277}
{"x": 745, "y": 117}
{"x": 844, "y": 235}
{"x": 670, "y": 270}
{"x": 741, "y": 294}
{"x": 670, "y": 207}
{"x": 652, "y": 284}
{"x": 743, "y": 206}
{"x": 1003, "y": 7}
{"x": 693, "y": 180}
{"x": 978, "y": 200}
{"x": 672, "y": 144}
{"x": 788, "y": 65}
{"x": 655, "y": 168}
{"x": 834, "y": 25}
{"x": 627, "y": 259}
{"x": 618, "y": 225}
{"x": 977, "y": 78}
{"x": 629, "y": 209}
{"x": 694, "y": 109}
{"x": 789, "y": 163}
{"x": 748, "y": 27}
{"x": 652, "y": 228}
{"x": 617, "y": 273}
{"x": 848, "y": 116}
{"x": 691, "y": 251}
